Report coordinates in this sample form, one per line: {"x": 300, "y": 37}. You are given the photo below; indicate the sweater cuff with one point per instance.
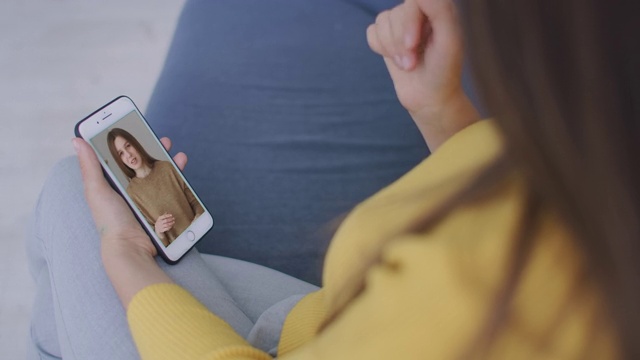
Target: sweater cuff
{"x": 303, "y": 322}
{"x": 167, "y": 322}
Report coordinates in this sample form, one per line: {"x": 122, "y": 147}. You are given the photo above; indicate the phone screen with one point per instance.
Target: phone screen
{"x": 151, "y": 180}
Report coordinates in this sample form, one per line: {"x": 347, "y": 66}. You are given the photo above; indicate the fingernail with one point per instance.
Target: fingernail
{"x": 409, "y": 41}
{"x": 75, "y": 143}
{"x": 406, "y": 62}
{"x": 398, "y": 60}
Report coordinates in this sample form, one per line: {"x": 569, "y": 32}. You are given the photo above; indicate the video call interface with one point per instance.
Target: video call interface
{"x": 152, "y": 182}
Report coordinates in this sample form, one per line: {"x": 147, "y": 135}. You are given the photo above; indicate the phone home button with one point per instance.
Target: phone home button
{"x": 191, "y": 236}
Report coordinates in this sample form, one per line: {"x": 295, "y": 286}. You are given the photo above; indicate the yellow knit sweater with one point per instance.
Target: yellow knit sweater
{"x": 429, "y": 297}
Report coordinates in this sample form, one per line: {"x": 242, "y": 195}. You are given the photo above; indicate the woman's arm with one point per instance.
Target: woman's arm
{"x": 421, "y": 43}
{"x": 437, "y": 125}
{"x": 131, "y": 270}
{"x": 165, "y": 320}
{"x": 195, "y": 204}
{"x": 188, "y": 194}
{"x": 127, "y": 252}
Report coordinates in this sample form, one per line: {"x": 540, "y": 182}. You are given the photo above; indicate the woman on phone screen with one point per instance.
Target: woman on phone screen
{"x": 155, "y": 186}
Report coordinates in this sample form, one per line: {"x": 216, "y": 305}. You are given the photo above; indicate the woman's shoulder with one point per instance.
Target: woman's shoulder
{"x": 420, "y": 191}
{"x": 166, "y": 171}
{"x": 455, "y": 163}
{"x": 162, "y": 164}
{"x": 434, "y": 180}
{"x": 458, "y": 266}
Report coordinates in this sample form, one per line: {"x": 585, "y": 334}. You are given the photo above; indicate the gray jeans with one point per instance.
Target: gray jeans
{"x": 77, "y": 315}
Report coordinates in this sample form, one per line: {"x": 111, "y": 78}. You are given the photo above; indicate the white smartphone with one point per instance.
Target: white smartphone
{"x": 140, "y": 169}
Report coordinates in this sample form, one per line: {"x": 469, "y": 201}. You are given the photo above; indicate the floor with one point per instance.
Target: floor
{"x": 59, "y": 60}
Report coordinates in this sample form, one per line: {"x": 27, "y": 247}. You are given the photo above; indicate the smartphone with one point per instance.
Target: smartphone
{"x": 139, "y": 168}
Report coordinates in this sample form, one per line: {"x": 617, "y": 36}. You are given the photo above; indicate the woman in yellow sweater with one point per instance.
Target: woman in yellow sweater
{"x": 164, "y": 199}
{"x": 517, "y": 238}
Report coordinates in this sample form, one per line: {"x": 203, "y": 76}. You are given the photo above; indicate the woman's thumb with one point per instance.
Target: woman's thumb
{"x": 89, "y": 167}
{"x": 442, "y": 16}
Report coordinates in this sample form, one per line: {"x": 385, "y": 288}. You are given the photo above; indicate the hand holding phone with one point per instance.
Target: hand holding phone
{"x": 114, "y": 219}
{"x": 421, "y": 44}
{"x": 142, "y": 172}
{"x": 125, "y": 247}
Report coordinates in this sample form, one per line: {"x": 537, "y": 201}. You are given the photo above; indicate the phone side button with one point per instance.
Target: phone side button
{"x": 191, "y": 236}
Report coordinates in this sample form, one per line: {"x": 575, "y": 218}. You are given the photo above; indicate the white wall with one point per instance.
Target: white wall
{"x": 60, "y": 61}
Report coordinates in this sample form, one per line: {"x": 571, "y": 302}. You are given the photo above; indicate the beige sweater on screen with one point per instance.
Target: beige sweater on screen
{"x": 163, "y": 191}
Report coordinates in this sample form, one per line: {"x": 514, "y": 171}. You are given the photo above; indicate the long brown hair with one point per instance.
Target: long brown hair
{"x": 111, "y": 138}
{"x": 562, "y": 79}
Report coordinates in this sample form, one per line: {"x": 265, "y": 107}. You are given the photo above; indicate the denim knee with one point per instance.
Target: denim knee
{"x": 60, "y": 206}
{"x": 61, "y": 197}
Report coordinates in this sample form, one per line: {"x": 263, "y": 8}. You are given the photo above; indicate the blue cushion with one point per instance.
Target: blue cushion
{"x": 288, "y": 118}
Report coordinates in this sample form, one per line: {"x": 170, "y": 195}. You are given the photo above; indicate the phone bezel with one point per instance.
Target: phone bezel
{"x": 94, "y": 124}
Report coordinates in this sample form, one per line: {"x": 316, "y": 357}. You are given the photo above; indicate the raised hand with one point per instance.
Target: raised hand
{"x": 421, "y": 43}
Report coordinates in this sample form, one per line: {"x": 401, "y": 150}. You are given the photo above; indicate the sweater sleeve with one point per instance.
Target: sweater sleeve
{"x": 167, "y": 322}
{"x": 195, "y": 204}
{"x": 407, "y": 309}
{"x": 191, "y": 199}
